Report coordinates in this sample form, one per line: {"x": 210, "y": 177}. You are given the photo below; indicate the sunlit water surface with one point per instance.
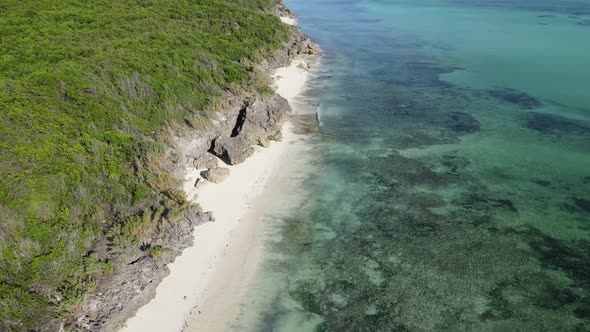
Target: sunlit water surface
{"x": 450, "y": 182}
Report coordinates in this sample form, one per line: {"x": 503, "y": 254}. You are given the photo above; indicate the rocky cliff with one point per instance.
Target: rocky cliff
{"x": 231, "y": 133}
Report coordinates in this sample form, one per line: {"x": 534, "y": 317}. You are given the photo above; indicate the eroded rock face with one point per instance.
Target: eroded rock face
{"x": 257, "y": 124}
{"x": 216, "y": 175}
{"x": 264, "y": 142}
{"x": 199, "y": 218}
{"x": 118, "y": 296}
{"x": 264, "y": 119}
{"x": 300, "y": 44}
{"x": 232, "y": 150}
{"x": 206, "y": 161}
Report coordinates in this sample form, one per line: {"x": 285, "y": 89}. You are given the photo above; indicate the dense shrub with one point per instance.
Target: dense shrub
{"x": 85, "y": 88}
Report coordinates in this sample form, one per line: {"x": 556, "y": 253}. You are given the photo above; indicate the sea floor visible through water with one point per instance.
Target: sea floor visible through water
{"x": 448, "y": 187}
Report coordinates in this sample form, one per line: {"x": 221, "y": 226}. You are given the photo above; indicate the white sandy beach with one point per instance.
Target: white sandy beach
{"x": 225, "y": 252}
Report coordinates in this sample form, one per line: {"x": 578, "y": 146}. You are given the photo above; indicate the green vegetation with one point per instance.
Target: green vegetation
{"x": 88, "y": 93}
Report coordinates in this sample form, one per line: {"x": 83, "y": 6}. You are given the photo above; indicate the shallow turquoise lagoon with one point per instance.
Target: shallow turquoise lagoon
{"x": 449, "y": 186}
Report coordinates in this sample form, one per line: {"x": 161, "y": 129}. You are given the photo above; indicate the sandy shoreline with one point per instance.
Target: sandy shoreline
{"x": 213, "y": 273}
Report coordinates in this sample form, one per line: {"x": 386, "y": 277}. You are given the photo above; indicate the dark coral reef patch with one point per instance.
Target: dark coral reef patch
{"x": 516, "y": 97}
{"x": 550, "y": 124}
{"x": 463, "y": 123}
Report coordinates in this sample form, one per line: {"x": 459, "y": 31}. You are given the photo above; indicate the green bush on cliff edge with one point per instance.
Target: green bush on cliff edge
{"x": 86, "y": 88}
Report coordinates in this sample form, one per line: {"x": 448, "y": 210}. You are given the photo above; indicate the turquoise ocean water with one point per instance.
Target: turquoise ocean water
{"x": 450, "y": 181}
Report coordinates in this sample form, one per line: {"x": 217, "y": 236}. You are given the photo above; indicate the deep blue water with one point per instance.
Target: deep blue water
{"x": 451, "y": 176}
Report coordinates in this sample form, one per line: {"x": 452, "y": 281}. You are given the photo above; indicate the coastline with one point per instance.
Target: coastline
{"x": 220, "y": 304}
{"x": 226, "y": 252}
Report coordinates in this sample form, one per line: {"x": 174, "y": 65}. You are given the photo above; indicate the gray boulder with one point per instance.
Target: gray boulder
{"x": 196, "y": 218}
{"x": 233, "y": 150}
{"x": 216, "y": 175}
{"x": 205, "y": 161}
{"x": 263, "y": 119}
{"x": 264, "y": 142}
{"x": 257, "y": 124}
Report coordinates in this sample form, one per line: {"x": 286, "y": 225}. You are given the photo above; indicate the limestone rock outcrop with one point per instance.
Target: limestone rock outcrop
{"x": 135, "y": 283}
{"x": 205, "y": 161}
{"x": 216, "y": 175}
{"x": 257, "y": 124}
{"x": 232, "y": 150}
{"x": 263, "y": 119}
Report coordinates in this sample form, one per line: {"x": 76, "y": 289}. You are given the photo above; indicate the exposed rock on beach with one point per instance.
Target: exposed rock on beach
{"x": 216, "y": 175}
